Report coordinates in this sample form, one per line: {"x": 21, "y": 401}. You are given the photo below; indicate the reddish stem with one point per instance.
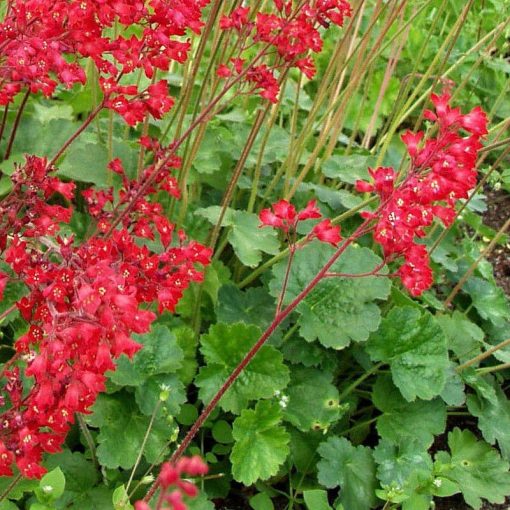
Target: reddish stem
{"x": 9, "y": 310}
{"x": 279, "y": 318}
{"x": 16, "y": 124}
{"x": 77, "y": 133}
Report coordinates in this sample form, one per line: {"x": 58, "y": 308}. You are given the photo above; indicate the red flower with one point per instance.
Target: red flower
{"x": 326, "y": 232}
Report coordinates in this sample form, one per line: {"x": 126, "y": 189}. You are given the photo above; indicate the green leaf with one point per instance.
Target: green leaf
{"x": 80, "y": 473}
{"x": 8, "y": 505}
{"x": 246, "y": 237}
{"x": 261, "y": 501}
{"x": 224, "y": 347}
{"x": 464, "y": 337}
{"x": 18, "y": 491}
{"x": 338, "y": 310}
{"x": 348, "y": 168}
{"x": 161, "y": 354}
{"x": 252, "y": 306}
{"x": 152, "y": 391}
{"x": 398, "y": 461}
{"x": 200, "y": 503}
{"x": 477, "y": 468}
{"x": 421, "y": 420}
{"x": 122, "y": 429}
{"x": 261, "y": 443}
{"x": 414, "y": 346}
{"x": 350, "y": 467}
{"x": 86, "y": 162}
{"x": 316, "y": 499}
{"x": 51, "y": 486}
{"x": 120, "y": 499}
{"x": 313, "y": 399}
{"x": 489, "y": 300}
{"x": 493, "y": 418}
{"x": 188, "y": 342}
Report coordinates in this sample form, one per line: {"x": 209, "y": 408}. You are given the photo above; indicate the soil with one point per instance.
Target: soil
{"x": 498, "y": 211}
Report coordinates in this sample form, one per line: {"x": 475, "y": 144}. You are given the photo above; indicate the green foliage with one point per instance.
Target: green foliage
{"x": 414, "y": 346}
{"x": 350, "y": 467}
{"x": 122, "y": 428}
{"x": 477, "y": 468}
{"x": 312, "y": 399}
{"x": 223, "y": 348}
{"x": 246, "y": 238}
{"x": 420, "y": 420}
{"x": 261, "y": 443}
{"x": 338, "y": 310}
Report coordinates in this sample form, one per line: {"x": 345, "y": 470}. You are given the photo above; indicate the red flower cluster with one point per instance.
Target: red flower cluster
{"x": 291, "y": 35}
{"x": 285, "y": 217}
{"x": 173, "y": 487}
{"x": 43, "y": 41}
{"x": 83, "y": 303}
{"x": 443, "y": 171}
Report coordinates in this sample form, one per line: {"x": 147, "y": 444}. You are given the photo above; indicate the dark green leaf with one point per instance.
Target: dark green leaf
{"x": 421, "y": 420}
{"x": 414, "y": 345}
{"x": 350, "y": 467}
{"x": 477, "y": 468}
{"x": 122, "y": 429}
{"x": 338, "y": 310}
{"x": 224, "y": 347}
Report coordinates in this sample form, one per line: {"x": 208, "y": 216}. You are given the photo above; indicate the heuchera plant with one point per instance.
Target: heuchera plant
{"x": 85, "y": 300}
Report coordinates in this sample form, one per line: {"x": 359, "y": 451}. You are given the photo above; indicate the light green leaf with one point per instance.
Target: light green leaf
{"x": 350, "y": 467}
{"x": 338, "y": 310}
{"x": 51, "y": 486}
{"x": 200, "y": 503}
{"x": 86, "y": 162}
{"x": 477, "y": 468}
{"x": 313, "y": 399}
{"x": 421, "y": 420}
{"x": 122, "y": 429}
{"x": 224, "y": 347}
{"x": 8, "y": 505}
{"x": 316, "y": 499}
{"x": 261, "y": 444}
{"x": 249, "y": 240}
{"x": 348, "y": 168}
{"x": 414, "y": 345}
{"x": 261, "y": 501}
{"x": 120, "y": 499}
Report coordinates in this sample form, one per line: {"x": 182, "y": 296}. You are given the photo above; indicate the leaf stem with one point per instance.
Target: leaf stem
{"x": 88, "y": 438}
{"x": 142, "y": 446}
{"x": 483, "y": 355}
{"x": 16, "y": 124}
{"x": 359, "y": 380}
{"x": 279, "y": 318}
{"x": 11, "y": 486}
{"x": 77, "y": 133}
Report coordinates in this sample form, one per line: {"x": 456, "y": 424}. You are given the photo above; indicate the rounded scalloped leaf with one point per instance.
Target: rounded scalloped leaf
{"x": 261, "y": 443}
{"x": 338, "y": 310}
{"x": 414, "y": 346}
{"x": 224, "y": 347}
